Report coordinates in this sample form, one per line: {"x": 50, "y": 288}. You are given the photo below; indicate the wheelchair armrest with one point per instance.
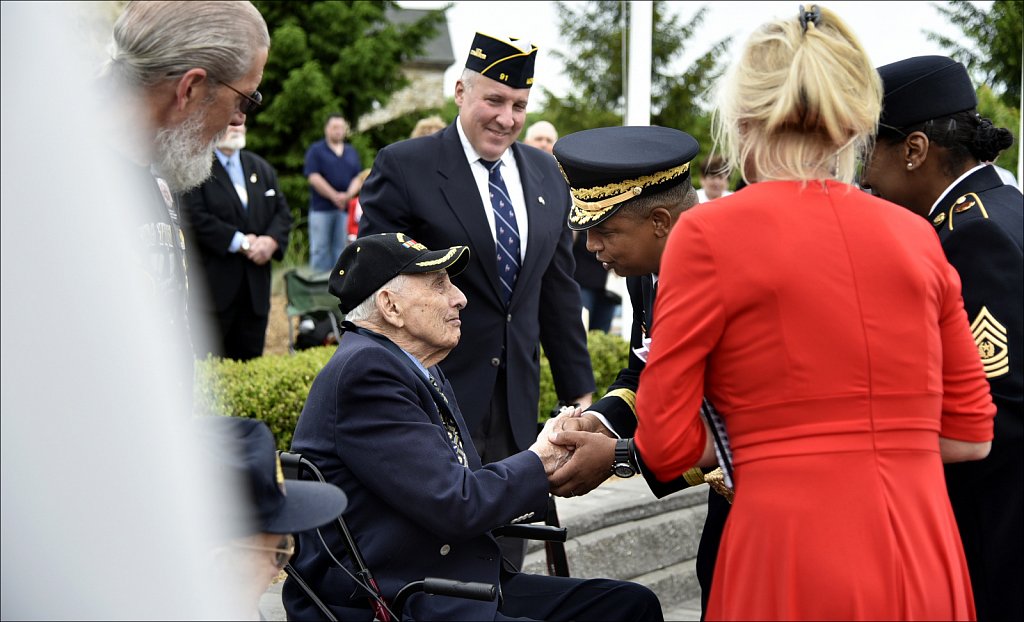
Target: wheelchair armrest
{"x": 529, "y": 531}
{"x": 444, "y": 587}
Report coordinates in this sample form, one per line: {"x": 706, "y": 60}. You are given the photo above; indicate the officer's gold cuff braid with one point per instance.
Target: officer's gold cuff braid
{"x": 694, "y": 476}
{"x": 625, "y": 395}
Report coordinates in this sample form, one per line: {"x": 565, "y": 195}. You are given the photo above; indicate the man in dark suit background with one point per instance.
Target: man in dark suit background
{"x": 236, "y": 222}
{"x": 439, "y": 190}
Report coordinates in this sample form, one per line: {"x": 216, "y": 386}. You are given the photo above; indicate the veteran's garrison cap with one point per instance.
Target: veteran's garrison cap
{"x": 922, "y": 88}
{"x": 607, "y": 166}
{"x": 509, "y": 61}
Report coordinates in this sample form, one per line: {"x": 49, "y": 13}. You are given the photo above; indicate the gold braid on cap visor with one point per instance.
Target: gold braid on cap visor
{"x": 621, "y": 191}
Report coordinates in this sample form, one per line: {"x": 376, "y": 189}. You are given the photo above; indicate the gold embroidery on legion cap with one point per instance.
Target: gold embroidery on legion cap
{"x": 478, "y": 53}
{"x": 991, "y": 338}
{"x": 504, "y": 77}
{"x": 446, "y": 257}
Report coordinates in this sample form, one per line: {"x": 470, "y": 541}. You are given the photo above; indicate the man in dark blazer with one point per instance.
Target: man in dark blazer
{"x": 931, "y": 157}
{"x": 383, "y": 423}
{"x": 519, "y": 282}
{"x": 627, "y": 231}
{"x": 235, "y": 223}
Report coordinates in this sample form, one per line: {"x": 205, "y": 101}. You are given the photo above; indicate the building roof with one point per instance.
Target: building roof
{"x": 438, "y": 50}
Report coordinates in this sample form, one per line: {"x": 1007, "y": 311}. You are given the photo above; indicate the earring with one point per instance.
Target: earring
{"x": 910, "y": 165}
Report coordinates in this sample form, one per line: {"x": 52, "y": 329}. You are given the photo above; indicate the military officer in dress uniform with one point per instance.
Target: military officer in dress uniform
{"x": 627, "y": 199}
{"x": 930, "y": 157}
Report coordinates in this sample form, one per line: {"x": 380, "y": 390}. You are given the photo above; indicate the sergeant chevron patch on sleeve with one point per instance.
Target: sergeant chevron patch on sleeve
{"x": 990, "y": 337}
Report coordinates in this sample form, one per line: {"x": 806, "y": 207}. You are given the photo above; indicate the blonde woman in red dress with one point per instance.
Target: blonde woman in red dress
{"x": 829, "y": 330}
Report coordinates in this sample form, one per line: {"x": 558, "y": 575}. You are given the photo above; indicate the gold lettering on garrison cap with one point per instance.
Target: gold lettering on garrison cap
{"x": 478, "y": 53}
{"x": 991, "y": 339}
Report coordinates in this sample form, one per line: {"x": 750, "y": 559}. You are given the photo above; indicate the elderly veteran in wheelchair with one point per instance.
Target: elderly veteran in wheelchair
{"x": 382, "y": 422}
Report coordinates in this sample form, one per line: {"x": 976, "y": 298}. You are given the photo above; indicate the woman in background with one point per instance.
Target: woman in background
{"x": 828, "y": 328}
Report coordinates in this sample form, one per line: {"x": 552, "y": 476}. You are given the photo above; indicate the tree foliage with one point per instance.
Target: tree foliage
{"x": 597, "y": 35}
{"x": 326, "y": 57}
{"x": 991, "y": 49}
{"x": 990, "y": 46}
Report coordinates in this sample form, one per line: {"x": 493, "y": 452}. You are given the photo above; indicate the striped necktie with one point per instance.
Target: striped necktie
{"x": 506, "y": 229}
{"x": 451, "y": 428}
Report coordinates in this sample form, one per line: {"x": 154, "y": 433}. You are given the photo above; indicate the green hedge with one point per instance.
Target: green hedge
{"x": 274, "y": 388}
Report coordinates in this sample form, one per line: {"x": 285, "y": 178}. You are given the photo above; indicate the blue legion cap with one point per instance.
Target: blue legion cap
{"x": 366, "y": 264}
{"x": 509, "y": 61}
{"x": 922, "y": 88}
{"x": 607, "y": 166}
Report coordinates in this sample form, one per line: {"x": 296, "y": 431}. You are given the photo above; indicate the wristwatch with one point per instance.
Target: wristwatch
{"x": 624, "y": 466}
{"x": 245, "y": 245}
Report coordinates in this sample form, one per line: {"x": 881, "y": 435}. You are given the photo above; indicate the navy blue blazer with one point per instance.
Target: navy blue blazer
{"x": 981, "y": 225}
{"x": 213, "y": 212}
{"x": 373, "y": 427}
{"x": 424, "y": 187}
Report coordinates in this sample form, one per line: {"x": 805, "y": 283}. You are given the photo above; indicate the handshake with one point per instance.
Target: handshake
{"x": 577, "y": 451}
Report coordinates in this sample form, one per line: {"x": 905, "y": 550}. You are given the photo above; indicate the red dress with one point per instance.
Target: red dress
{"x": 828, "y": 329}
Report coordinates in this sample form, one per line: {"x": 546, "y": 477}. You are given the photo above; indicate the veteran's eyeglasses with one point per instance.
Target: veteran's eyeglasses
{"x": 250, "y": 102}
{"x": 284, "y": 552}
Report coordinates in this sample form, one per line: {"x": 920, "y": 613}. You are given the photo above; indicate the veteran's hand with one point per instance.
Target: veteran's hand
{"x": 552, "y": 456}
{"x": 589, "y": 465}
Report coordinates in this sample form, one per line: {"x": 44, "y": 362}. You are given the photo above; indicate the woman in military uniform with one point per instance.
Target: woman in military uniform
{"x": 930, "y": 157}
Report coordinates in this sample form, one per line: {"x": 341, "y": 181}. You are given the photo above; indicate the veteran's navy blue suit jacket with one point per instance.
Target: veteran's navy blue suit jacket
{"x": 374, "y": 429}
{"x": 213, "y": 212}
{"x": 424, "y": 188}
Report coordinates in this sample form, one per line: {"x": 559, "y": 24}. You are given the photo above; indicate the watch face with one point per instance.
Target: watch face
{"x": 624, "y": 470}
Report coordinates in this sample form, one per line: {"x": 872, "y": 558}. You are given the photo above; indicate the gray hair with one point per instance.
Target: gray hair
{"x": 540, "y": 126}
{"x": 155, "y": 41}
{"x": 367, "y": 309}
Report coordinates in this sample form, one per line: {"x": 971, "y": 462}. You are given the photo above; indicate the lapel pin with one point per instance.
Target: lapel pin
{"x": 252, "y": 178}
{"x": 541, "y": 200}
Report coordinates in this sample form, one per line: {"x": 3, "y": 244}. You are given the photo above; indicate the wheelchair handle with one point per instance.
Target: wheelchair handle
{"x": 461, "y": 589}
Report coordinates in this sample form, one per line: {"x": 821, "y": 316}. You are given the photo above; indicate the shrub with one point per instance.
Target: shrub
{"x": 608, "y": 355}
{"x": 274, "y": 388}
{"x": 270, "y": 388}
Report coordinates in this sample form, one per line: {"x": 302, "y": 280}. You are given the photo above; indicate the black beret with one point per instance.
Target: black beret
{"x": 922, "y": 88}
{"x": 368, "y": 263}
{"x": 607, "y": 166}
{"x": 503, "y": 60}
{"x": 244, "y": 450}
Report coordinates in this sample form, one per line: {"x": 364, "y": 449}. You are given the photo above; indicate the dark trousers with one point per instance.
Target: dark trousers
{"x": 540, "y": 597}
{"x": 707, "y": 550}
{"x": 239, "y": 332}
{"x": 494, "y": 441}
